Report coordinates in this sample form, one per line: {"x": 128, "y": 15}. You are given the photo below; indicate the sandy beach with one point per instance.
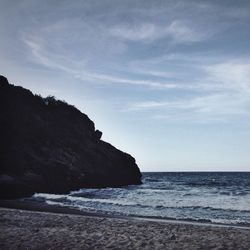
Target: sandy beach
{"x": 23, "y": 229}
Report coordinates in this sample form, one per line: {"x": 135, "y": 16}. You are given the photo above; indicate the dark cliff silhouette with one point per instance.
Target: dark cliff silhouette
{"x": 49, "y": 146}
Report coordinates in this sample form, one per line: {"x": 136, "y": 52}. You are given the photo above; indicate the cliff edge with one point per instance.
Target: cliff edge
{"x": 49, "y": 146}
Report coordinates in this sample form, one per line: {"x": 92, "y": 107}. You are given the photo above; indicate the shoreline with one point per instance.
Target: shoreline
{"x": 43, "y": 207}
{"x": 29, "y": 229}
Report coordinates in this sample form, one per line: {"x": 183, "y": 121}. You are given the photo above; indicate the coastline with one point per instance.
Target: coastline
{"x": 36, "y": 226}
{"x": 43, "y": 207}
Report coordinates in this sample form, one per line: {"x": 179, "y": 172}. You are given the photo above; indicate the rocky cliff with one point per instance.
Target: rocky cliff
{"x": 49, "y": 146}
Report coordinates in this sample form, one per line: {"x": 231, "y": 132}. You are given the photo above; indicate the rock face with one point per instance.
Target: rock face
{"x": 49, "y": 146}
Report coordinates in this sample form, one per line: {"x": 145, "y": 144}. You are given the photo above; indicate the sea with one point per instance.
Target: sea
{"x": 204, "y": 197}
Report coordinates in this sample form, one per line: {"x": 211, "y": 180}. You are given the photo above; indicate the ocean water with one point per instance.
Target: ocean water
{"x": 194, "y": 196}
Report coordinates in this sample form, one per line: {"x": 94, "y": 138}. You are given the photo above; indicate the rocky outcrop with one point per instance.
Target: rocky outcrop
{"x": 49, "y": 146}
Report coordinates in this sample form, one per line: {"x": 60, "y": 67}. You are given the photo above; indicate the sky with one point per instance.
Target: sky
{"x": 166, "y": 81}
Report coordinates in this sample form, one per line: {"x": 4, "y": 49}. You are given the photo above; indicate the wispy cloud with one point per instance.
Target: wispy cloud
{"x": 234, "y": 74}
{"x": 50, "y": 59}
{"x": 224, "y": 86}
{"x": 177, "y": 30}
{"x": 207, "y": 71}
{"x": 204, "y": 84}
{"x": 141, "y": 32}
{"x": 182, "y": 32}
{"x": 225, "y": 96}
{"x": 203, "y": 109}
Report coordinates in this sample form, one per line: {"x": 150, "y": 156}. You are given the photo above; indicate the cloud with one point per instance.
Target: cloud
{"x": 207, "y": 71}
{"x": 182, "y": 32}
{"x": 78, "y": 69}
{"x": 164, "y": 54}
{"x": 196, "y": 73}
{"x": 38, "y": 53}
{"x": 148, "y": 105}
{"x": 141, "y": 32}
{"x": 202, "y": 109}
{"x": 232, "y": 75}
{"x": 224, "y": 95}
{"x": 179, "y": 31}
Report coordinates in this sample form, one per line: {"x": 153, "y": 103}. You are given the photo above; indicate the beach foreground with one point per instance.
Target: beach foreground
{"x": 21, "y": 229}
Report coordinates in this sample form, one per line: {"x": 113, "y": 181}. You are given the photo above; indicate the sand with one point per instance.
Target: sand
{"x": 22, "y": 229}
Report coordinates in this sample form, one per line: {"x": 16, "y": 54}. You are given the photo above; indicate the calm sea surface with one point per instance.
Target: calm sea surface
{"x": 206, "y": 197}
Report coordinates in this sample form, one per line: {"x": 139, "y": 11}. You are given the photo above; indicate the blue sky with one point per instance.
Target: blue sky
{"x": 166, "y": 81}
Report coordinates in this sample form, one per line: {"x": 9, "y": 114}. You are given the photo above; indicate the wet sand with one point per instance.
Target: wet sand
{"x": 62, "y": 229}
